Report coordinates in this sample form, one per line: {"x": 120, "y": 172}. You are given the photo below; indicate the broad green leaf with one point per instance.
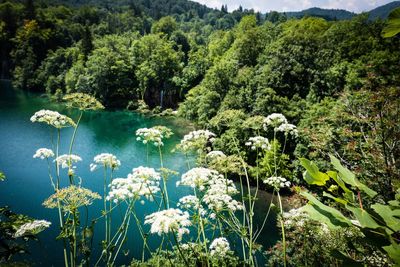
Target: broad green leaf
{"x": 394, "y": 252}
{"x": 335, "y": 216}
{"x": 312, "y": 175}
{"x": 318, "y": 216}
{"x": 394, "y": 203}
{"x": 338, "y": 200}
{"x": 348, "y": 194}
{"x": 349, "y": 178}
{"x": 387, "y": 215}
{"x": 393, "y": 24}
{"x": 363, "y": 217}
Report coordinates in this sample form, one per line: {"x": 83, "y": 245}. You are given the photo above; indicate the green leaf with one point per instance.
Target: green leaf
{"x": 394, "y": 203}
{"x": 363, "y": 217}
{"x": 387, "y": 215}
{"x": 349, "y": 178}
{"x": 394, "y": 252}
{"x": 393, "y": 24}
{"x": 335, "y": 216}
{"x": 316, "y": 215}
{"x": 348, "y": 194}
{"x": 338, "y": 200}
{"x": 312, "y": 175}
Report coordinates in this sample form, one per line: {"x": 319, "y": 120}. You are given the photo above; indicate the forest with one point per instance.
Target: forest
{"x": 303, "y": 105}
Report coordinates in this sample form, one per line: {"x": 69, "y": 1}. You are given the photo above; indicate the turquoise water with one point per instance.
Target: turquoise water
{"x": 27, "y": 184}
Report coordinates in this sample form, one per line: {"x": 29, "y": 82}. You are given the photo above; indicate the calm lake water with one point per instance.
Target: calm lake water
{"x": 27, "y": 184}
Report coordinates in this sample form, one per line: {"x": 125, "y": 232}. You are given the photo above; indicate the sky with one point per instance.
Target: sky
{"x": 296, "y": 5}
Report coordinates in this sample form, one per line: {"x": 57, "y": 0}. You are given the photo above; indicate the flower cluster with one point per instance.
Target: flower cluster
{"x": 82, "y": 101}
{"x": 150, "y": 135}
{"x": 277, "y": 182}
{"x": 189, "y": 202}
{"x": 258, "y": 142}
{"x": 142, "y": 181}
{"x": 219, "y": 247}
{"x": 218, "y": 195}
{"x": 52, "y": 118}
{"x": 66, "y": 160}
{"x": 274, "y": 120}
{"x": 295, "y": 218}
{"x": 32, "y": 228}
{"x": 216, "y": 154}
{"x": 106, "y": 160}
{"x": 196, "y": 140}
{"x": 197, "y": 177}
{"x": 165, "y": 221}
{"x": 43, "y": 153}
{"x": 71, "y": 198}
{"x": 288, "y": 128}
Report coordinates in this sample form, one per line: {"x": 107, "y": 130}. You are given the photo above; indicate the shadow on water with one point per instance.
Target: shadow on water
{"x": 27, "y": 184}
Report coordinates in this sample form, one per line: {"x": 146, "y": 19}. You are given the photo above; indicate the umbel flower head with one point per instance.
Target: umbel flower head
{"x": 219, "y": 247}
{"x": 52, "y": 118}
{"x": 217, "y": 189}
{"x": 258, "y": 142}
{"x": 142, "y": 181}
{"x": 105, "y": 160}
{"x": 196, "y": 141}
{"x": 67, "y": 160}
{"x": 170, "y": 220}
{"x": 288, "y": 128}
{"x": 82, "y": 101}
{"x": 71, "y": 198}
{"x": 218, "y": 195}
{"x": 32, "y": 228}
{"x": 43, "y": 153}
{"x": 153, "y": 135}
{"x": 189, "y": 202}
{"x": 274, "y": 120}
{"x": 197, "y": 177}
{"x": 277, "y": 182}
{"x": 216, "y": 154}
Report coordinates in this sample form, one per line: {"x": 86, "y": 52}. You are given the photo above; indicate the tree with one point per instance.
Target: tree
{"x": 87, "y": 42}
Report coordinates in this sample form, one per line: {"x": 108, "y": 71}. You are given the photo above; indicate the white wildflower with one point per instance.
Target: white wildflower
{"x": 52, "y": 118}
{"x": 258, "y": 142}
{"x": 219, "y": 247}
{"x": 216, "y": 154}
{"x": 43, "y": 153}
{"x": 189, "y": 202}
{"x": 274, "y": 120}
{"x": 32, "y": 228}
{"x": 295, "y": 218}
{"x": 218, "y": 195}
{"x": 166, "y": 221}
{"x": 142, "y": 181}
{"x": 105, "y": 160}
{"x": 196, "y": 140}
{"x": 153, "y": 135}
{"x": 197, "y": 177}
{"x": 66, "y": 160}
{"x": 288, "y": 128}
{"x": 277, "y": 182}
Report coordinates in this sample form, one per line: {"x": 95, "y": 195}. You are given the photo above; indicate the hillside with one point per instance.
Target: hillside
{"x": 328, "y": 14}
{"x": 383, "y": 11}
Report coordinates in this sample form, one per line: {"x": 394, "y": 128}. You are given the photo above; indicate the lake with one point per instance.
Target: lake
{"x": 27, "y": 184}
